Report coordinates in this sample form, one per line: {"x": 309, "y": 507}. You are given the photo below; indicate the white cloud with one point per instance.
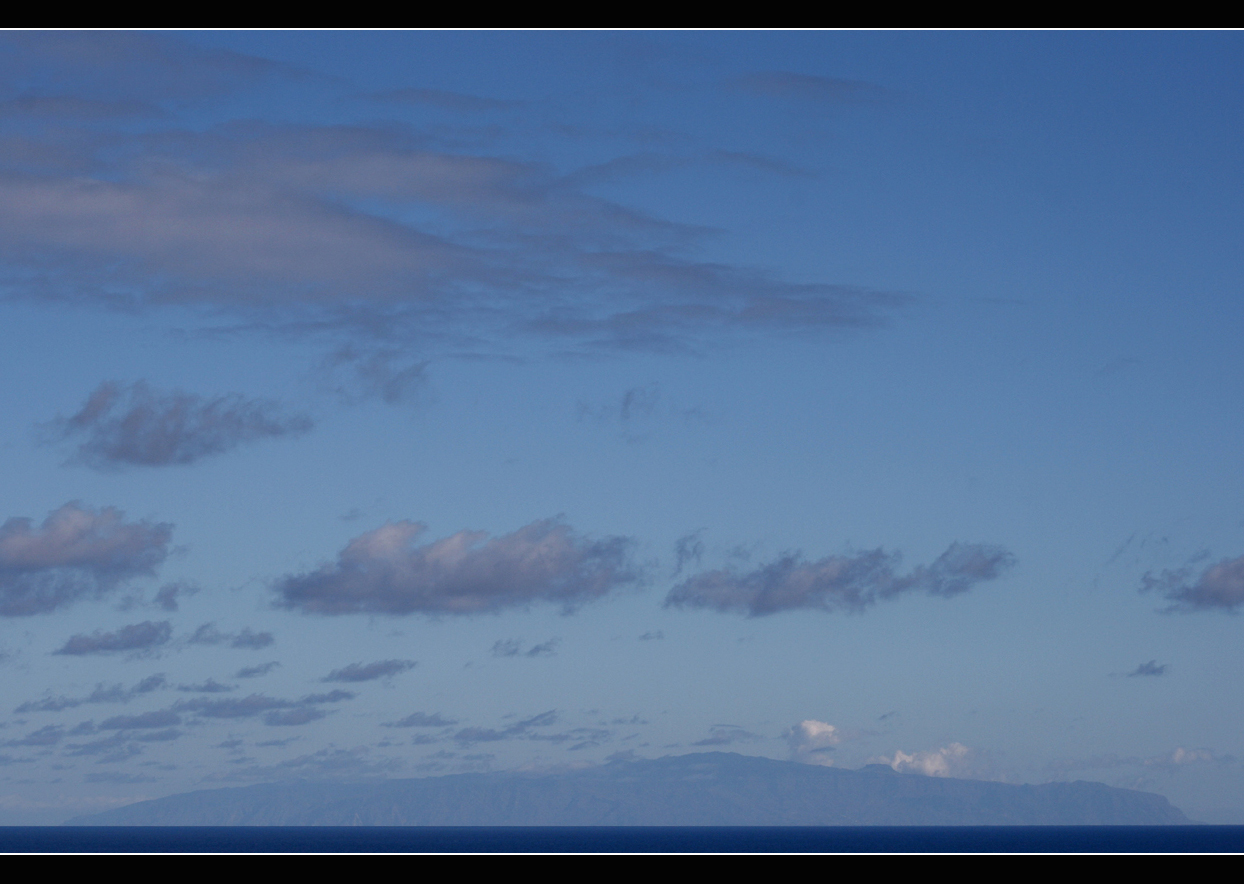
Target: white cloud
{"x": 955, "y": 760}
{"x": 811, "y": 742}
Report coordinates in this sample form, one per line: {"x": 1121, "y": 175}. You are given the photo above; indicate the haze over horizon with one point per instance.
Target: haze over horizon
{"x": 385, "y": 404}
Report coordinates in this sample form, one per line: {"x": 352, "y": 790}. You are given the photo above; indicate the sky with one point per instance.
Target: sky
{"x": 393, "y": 404}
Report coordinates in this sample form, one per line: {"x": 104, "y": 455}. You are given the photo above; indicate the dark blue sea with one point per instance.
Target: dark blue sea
{"x": 630, "y": 839}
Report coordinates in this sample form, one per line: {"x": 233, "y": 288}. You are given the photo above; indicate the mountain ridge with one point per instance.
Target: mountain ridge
{"x": 700, "y": 789}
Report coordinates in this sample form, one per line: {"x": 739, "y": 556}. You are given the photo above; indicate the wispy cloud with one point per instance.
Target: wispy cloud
{"x": 727, "y": 735}
{"x": 247, "y": 639}
{"x": 77, "y": 553}
{"x": 366, "y": 233}
{"x": 256, "y": 671}
{"x": 849, "y": 583}
{"x": 370, "y": 671}
{"x": 468, "y": 736}
{"x": 135, "y": 637}
{"x": 810, "y": 87}
{"x": 513, "y": 647}
{"x": 102, "y": 694}
{"x": 453, "y": 101}
{"x": 276, "y": 712}
{"x": 385, "y": 572}
{"x": 422, "y": 719}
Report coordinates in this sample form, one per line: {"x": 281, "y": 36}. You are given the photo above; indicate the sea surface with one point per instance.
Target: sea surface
{"x": 622, "y": 839}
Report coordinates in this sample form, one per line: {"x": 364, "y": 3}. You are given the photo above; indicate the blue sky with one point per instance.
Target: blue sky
{"x": 401, "y": 403}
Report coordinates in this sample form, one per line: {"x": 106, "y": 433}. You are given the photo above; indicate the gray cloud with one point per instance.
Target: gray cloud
{"x": 102, "y": 694}
{"x": 384, "y": 572}
{"x": 208, "y": 634}
{"x": 141, "y": 67}
{"x": 827, "y": 90}
{"x": 49, "y": 735}
{"x": 453, "y": 101}
{"x": 1219, "y": 587}
{"x": 837, "y": 583}
{"x": 1175, "y": 759}
{"x": 293, "y": 717}
{"x": 513, "y": 648}
{"x": 256, "y": 671}
{"x": 357, "y": 373}
{"x": 422, "y": 719}
{"x": 330, "y": 763}
{"x": 211, "y": 686}
{"x": 370, "y": 671}
{"x": 688, "y": 548}
{"x": 276, "y": 711}
{"x": 272, "y": 224}
{"x": 77, "y": 553}
{"x": 725, "y": 735}
{"x": 68, "y": 107}
{"x": 166, "y": 597}
{"x": 1151, "y": 668}
{"x": 468, "y": 736}
{"x": 133, "y": 425}
{"x": 135, "y": 637}
{"x": 146, "y": 720}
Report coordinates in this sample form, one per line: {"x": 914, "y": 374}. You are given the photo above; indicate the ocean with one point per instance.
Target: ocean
{"x": 622, "y": 839}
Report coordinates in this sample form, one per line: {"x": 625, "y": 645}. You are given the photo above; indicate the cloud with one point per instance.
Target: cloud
{"x": 726, "y": 735}
{"x": 468, "y": 736}
{"x": 256, "y": 671}
{"x": 293, "y": 717}
{"x": 811, "y": 742}
{"x": 850, "y": 583}
{"x": 955, "y": 760}
{"x": 365, "y": 234}
{"x": 513, "y": 647}
{"x": 140, "y": 67}
{"x": 166, "y": 598}
{"x": 688, "y": 548}
{"x": 77, "y": 553}
{"x": 370, "y": 671}
{"x": 826, "y": 90}
{"x": 49, "y": 735}
{"x": 208, "y": 634}
{"x": 383, "y": 373}
{"x": 134, "y": 425}
{"x": 146, "y": 720}
{"x": 211, "y": 686}
{"x": 1173, "y": 760}
{"x": 385, "y": 572}
{"x": 68, "y": 107}
{"x": 1150, "y": 668}
{"x": 422, "y": 719}
{"x": 328, "y": 763}
{"x": 135, "y": 637}
{"x": 102, "y": 694}
{"x": 276, "y": 711}
{"x": 452, "y": 101}
{"x": 1219, "y": 587}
